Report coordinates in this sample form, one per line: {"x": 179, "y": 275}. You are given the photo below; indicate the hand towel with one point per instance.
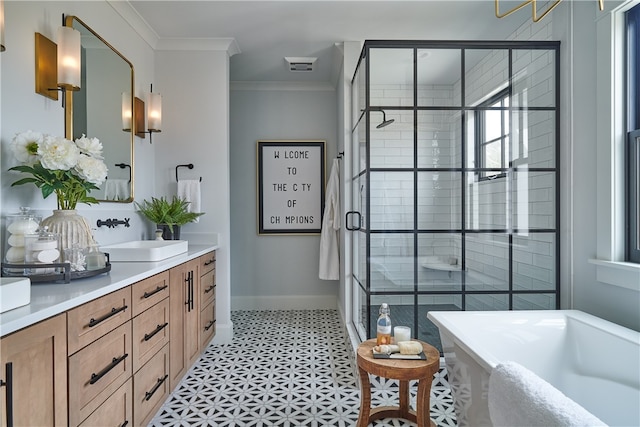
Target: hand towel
{"x": 329, "y": 251}
{"x": 116, "y": 189}
{"x": 519, "y": 398}
{"x": 189, "y": 190}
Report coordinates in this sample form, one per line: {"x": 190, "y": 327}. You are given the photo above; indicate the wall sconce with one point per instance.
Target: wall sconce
{"x": 58, "y": 66}
{"x": 154, "y": 114}
{"x": 2, "y": 49}
{"x": 534, "y": 9}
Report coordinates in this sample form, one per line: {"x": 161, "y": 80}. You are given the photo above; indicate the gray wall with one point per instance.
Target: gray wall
{"x": 273, "y": 271}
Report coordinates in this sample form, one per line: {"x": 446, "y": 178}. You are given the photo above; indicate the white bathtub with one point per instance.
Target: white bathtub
{"x": 594, "y": 362}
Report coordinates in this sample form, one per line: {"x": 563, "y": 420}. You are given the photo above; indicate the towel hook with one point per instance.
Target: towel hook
{"x": 190, "y": 166}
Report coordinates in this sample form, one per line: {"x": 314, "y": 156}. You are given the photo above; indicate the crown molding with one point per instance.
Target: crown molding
{"x": 219, "y": 44}
{"x": 140, "y": 26}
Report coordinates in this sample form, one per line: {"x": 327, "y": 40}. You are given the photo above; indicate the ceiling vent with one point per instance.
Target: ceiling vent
{"x": 300, "y": 64}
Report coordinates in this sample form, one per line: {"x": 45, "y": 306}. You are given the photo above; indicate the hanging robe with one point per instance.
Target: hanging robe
{"x": 329, "y": 238}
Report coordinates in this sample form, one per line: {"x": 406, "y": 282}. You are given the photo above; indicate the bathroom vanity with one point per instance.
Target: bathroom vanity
{"x": 109, "y": 349}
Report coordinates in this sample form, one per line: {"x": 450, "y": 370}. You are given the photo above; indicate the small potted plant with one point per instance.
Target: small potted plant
{"x": 168, "y": 215}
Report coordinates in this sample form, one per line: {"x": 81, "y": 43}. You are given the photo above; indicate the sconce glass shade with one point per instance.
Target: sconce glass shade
{"x": 68, "y": 58}
{"x": 126, "y": 111}
{"x": 2, "y": 26}
{"x": 154, "y": 112}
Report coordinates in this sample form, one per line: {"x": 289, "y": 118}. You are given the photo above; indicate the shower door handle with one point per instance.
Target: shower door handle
{"x": 356, "y": 227}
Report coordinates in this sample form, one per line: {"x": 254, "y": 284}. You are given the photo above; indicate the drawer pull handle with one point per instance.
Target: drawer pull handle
{"x": 150, "y": 393}
{"x": 209, "y": 289}
{"x": 116, "y": 360}
{"x": 93, "y": 322}
{"x": 147, "y": 337}
{"x": 125, "y": 423}
{"x": 152, "y": 293}
{"x": 209, "y": 325}
{"x": 211, "y": 261}
{"x": 9, "y": 393}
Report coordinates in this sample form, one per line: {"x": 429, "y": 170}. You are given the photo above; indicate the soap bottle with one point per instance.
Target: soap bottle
{"x": 384, "y": 325}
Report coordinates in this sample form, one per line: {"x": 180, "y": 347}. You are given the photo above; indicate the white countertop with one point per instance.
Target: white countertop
{"x": 50, "y": 299}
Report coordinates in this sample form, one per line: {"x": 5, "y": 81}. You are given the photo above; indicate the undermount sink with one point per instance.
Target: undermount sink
{"x": 14, "y": 292}
{"x": 145, "y": 250}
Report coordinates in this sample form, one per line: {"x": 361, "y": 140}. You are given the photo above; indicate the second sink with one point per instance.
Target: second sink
{"x": 145, "y": 250}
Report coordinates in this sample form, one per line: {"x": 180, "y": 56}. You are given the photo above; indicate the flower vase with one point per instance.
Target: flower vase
{"x": 73, "y": 229}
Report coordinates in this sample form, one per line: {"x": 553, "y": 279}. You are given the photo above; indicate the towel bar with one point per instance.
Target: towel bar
{"x": 190, "y": 166}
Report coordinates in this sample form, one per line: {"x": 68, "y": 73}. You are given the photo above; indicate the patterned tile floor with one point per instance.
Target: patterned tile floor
{"x": 285, "y": 368}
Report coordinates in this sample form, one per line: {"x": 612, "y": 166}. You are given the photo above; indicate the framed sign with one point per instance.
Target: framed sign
{"x": 290, "y": 186}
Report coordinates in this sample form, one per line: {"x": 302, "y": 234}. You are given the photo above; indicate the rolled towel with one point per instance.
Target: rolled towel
{"x": 403, "y": 347}
{"x": 519, "y": 398}
{"x": 410, "y": 347}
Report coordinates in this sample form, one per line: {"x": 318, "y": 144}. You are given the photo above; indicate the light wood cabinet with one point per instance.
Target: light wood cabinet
{"x": 94, "y": 319}
{"x": 33, "y": 375}
{"x": 184, "y": 302}
{"x": 116, "y": 411}
{"x": 148, "y": 292}
{"x": 97, "y": 371}
{"x": 114, "y": 360}
{"x": 151, "y": 387}
{"x": 207, "y": 299}
{"x": 150, "y": 333}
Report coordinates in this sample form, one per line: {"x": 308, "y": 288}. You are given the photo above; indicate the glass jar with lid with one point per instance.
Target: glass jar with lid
{"x": 18, "y": 225}
{"x": 42, "y": 247}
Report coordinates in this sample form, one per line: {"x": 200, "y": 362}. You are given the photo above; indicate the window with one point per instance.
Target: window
{"x": 633, "y": 128}
{"x": 492, "y": 136}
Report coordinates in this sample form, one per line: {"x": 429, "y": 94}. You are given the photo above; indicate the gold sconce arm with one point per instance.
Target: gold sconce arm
{"x": 534, "y": 9}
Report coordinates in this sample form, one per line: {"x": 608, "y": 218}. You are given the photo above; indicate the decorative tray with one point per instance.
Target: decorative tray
{"x": 66, "y": 275}
{"x": 421, "y": 356}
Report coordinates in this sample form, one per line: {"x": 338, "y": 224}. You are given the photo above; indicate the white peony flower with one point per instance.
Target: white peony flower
{"x": 92, "y": 169}
{"x": 25, "y": 146}
{"x": 58, "y": 153}
{"x": 90, "y": 146}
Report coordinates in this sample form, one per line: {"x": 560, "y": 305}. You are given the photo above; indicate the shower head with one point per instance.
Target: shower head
{"x": 385, "y": 122}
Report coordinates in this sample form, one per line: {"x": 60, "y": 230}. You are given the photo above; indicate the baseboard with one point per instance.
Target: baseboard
{"x": 302, "y": 302}
{"x": 224, "y": 334}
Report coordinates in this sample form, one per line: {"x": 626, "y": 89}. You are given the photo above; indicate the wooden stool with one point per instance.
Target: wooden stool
{"x": 404, "y": 371}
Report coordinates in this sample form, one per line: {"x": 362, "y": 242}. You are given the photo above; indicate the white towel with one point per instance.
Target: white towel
{"x": 520, "y": 398}
{"x": 116, "y": 189}
{"x": 329, "y": 251}
{"x": 189, "y": 190}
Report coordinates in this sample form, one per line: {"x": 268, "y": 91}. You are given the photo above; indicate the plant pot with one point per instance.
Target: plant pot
{"x": 166, "y": 232}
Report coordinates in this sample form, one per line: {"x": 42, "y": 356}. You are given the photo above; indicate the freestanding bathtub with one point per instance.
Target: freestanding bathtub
{"x": 592, "y": 361}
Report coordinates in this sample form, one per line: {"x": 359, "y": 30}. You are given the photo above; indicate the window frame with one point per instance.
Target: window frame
{"x": 505, "y": 134}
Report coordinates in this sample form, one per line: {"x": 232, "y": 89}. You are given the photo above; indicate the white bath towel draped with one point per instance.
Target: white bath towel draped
{"x": 519, "y": 398}
{"x": 116, "y": 189}
{"x": 329, "y": 251}
{"x": 189, "y": 190}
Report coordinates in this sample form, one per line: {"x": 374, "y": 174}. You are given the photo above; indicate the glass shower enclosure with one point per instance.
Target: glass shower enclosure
{"x": 455, "y": 181}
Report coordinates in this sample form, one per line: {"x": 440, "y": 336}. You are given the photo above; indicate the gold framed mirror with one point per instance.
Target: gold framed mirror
{"x": 96, "y": 110}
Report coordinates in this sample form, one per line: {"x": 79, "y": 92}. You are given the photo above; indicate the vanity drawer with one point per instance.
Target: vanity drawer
{"x": 151, "y": 387}
{"x": 207, "y": 262}
{"x": 207, "y": 288}
{"x": 117, "y": 410}
{"x": 207, "y": 324}
{"x": 98, "y": 370}
{"x": 94, "y": 319}
{"x": 150, "y": 333}
{"x": 149, "y": 292}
